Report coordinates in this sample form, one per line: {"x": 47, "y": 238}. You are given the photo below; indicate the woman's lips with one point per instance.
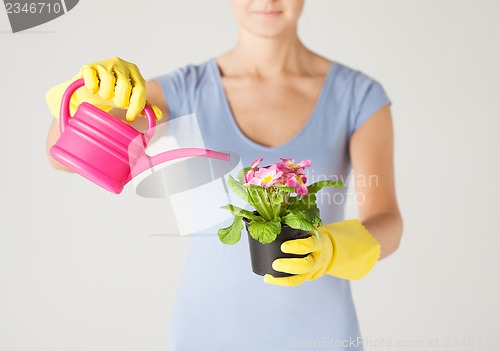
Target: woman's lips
{"x": 268, "y": 13}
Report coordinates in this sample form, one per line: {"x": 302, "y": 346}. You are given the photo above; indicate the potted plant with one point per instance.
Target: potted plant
{"x": 285, "y": 209}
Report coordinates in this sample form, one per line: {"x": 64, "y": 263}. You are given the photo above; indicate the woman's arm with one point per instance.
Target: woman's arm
{"x": 371, "y": 151}
{"x": 154, "y": 95}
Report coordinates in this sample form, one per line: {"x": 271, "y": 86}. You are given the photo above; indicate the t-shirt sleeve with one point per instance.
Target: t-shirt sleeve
{"x": 176, "y": 92}
{"x": 369, "y": 96}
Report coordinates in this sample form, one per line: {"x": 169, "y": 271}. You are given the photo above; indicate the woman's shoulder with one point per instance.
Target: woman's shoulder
{"x": 350, "y": 74}
{"x": 362, "y": 91}
{"x": 189, "y": 73}
{"x": 352, "y": 85}
{"x": 181, "y": 86}
{"x": 186, "y": 81}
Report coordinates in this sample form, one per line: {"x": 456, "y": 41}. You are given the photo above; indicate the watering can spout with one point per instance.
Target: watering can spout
{"x": 146, "y": 162}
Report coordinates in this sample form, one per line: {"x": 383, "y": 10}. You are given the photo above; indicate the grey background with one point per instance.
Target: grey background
{"x": 79, "y": 268}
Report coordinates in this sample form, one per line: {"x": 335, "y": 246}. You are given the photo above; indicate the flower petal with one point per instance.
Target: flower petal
{"x": 301, "y": 189}
{"x": 304, "y": 163}
{"x": 256, "y": 162}
{"x": 249, "y": 175}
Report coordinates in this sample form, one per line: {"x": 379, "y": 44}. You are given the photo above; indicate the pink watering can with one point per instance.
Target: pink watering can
{"x": 106, "y": 150}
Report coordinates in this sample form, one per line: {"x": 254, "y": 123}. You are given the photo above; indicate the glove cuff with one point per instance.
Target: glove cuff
{"x": 355, "y": 250}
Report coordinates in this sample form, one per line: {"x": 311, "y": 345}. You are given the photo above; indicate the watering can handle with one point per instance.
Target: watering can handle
{"x": 65, "y": 104}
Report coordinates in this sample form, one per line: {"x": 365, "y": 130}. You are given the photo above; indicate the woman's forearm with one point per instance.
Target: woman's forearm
{"x": 387, "y": 228}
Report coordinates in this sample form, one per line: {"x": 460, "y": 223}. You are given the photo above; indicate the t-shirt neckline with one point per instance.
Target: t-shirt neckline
{"x": 312, "y": 117}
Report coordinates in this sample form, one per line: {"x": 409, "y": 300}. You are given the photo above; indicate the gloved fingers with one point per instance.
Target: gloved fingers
{"x": 138, "y": 97}
{"x": 121, "y": 81}
{"x": 156, "y": 110}
{"x": 135, "y": 76}
{"x": 300, "y": 246}
{"x": 294, "y": 265}
{"x": 107, "y": 81}
{"x": 293, "y": 280}
{"x": 123, "y": 90}
{"x": 89, "y": 75}
{"x": 137, "y": 102}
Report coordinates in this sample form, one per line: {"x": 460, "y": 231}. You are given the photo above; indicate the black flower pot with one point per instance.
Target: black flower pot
{"x": 263, "y": 255}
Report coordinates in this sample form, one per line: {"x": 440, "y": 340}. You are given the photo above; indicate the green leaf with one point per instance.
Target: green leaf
{"x": 257, "y": 197}
{"x": 302, "y": 203}
{"x": 298, "y": 221}
{"x": 265, "y": 232}
{"x": 276, "y": 202}
{"x": 311, "y": 214}
{"x": 241, "y": 175}
{"x": 315, "y": 187}
{"x": 306, "y": 206}
{"x": 237, "y": 188}
{"x": 232, "y": 234}
{"x": 240, "y": 212}
{"x": 285, "y": 189}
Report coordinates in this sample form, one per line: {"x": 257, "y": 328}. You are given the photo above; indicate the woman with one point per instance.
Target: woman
{"x": 271, "y": 97}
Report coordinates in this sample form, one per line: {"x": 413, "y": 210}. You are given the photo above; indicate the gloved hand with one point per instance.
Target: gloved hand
{"x": 344, "y": 249}
{"x": 109, "y": 83}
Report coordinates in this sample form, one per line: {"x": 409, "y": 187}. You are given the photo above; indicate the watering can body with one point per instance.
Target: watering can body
{"x": 106, "y": 150}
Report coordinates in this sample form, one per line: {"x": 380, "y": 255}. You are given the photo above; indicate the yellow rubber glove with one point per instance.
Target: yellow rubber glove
{"x": 109, "y": 83}
{"x": 343, "y": 249}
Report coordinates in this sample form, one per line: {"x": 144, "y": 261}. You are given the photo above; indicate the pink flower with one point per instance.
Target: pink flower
{"x": 249, "y": 175}
{"x": 298, "y": 182}
{"x": 265, "y": 177}
{"x": 284, "y": 173}
{"x": 288, "y": 165}
{"x": 256, "y": 163}
{"x": 253, "y": 168}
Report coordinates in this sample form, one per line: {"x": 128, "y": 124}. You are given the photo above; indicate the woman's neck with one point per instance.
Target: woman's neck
{"x": 266, "y": 57}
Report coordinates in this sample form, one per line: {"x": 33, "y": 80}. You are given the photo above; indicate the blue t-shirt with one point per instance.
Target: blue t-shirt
{"x": 221, "y": 304}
